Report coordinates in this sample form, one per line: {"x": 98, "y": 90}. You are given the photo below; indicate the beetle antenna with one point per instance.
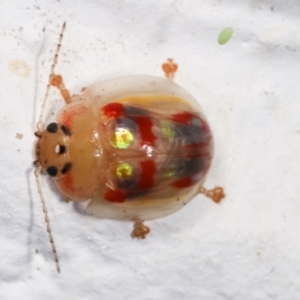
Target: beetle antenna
{"x": 37, "y": 173}
{"x": 40, "y": 126}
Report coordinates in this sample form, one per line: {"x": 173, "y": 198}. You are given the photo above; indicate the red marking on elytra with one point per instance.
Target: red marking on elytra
{"x": 69, "y": 114}
{"x": 187, "y": 117}
{"x": 197, "y": 150}
{"x": 183, "y": 182}
{"x": 183, "y": 118}
{"x": 148, "y": 169}
{"x": 145, "y": 127}
{"x": 206, "y": 128}
{"x": 113, "y": 110}
{"x": 115, "y": 196}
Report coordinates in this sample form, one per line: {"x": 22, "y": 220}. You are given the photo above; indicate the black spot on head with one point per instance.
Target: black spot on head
{"x": 66, "y": 168}
{"x": 66, "y": 130}
{"x": 52, "y": 171}
{"x": 52, "y": 128}
{"x": 62, "y": 149}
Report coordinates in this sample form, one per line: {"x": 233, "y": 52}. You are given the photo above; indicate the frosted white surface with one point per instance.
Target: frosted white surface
{"x": 245, "y": 248}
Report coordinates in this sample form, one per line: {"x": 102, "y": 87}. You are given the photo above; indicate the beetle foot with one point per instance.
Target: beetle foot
{"x": 169, "y": 68}
{"x": 216, "y": 194}
{"x": 140, "y": 230}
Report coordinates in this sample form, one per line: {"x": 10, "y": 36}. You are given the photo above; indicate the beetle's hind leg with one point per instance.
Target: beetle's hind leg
{"x": 140, "y": 230}
{"x": 216, "y": 194}
{"x": 169, "y": 68}
{"x": 57, "y": 81}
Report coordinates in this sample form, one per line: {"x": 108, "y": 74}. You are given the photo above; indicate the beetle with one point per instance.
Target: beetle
{"x": 138, "y": 147}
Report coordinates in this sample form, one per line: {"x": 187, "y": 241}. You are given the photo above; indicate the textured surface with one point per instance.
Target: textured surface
{"x": 247, "y": 247}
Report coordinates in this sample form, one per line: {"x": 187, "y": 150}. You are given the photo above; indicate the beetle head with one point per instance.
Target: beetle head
{"x": 52, "y": 149}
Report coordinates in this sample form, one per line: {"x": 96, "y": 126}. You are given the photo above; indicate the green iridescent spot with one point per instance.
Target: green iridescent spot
{"x": 122, "y": 138}
{"x": 124, "y": 170}
{"x": 167, "y": 129}
{"x": 225, "y": 35}
{"x": 169, "y": 174}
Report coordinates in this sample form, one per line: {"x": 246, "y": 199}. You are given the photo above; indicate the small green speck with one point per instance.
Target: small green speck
{"x": 169, "y": 174}
{"x": 167, "y": 129}
{"x": 225, "y": 35}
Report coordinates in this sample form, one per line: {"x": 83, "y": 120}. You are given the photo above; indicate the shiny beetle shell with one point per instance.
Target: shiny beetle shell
{"x": 139, "y": 147}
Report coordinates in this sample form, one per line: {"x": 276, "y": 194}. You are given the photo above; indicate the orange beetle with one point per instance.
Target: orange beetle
{"x": 139, "y": 147}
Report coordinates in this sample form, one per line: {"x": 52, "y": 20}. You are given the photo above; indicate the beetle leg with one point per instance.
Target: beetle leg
{"x": 216, "y": 194}
{"x": 57, "y": 81}
{"x": 169, "y": 68}
{"x": 140, "y": 230}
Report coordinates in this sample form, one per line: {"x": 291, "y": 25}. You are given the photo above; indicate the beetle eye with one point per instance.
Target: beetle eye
{"x": 52, "y": 171}
{"x": 52, "y": 128}
{"x": 66, "y": 130}
{"x": 66, "y": 168}
{"x": 60, "y": 149}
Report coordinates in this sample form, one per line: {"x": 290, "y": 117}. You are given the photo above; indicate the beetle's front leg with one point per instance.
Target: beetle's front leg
{"x": 57, "y": 81}
{"x": 169, "y": 68}
{"x": 140, "y": 230}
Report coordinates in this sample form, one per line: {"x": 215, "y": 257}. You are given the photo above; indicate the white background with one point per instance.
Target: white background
{"x": 248, "y": 247}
